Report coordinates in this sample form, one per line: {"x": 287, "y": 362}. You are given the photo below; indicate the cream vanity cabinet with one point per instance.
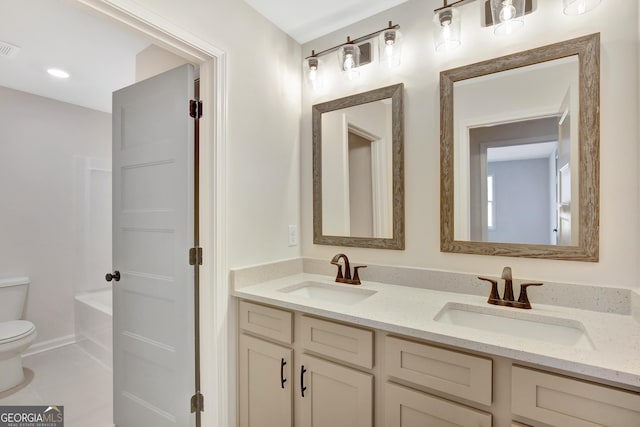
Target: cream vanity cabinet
{"x": 356, "y": 377}
{"x": 322, "y": 378}
{"x": 558, "y": 400}
{"x": 265, "y": 367}
{"x": 426, "y": 367}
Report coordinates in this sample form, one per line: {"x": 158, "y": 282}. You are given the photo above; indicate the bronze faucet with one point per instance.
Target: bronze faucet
{"x": 508, "y": 300}
{"x": 346, "y": 278}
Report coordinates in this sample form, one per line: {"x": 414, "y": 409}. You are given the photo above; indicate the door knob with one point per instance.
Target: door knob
{"x": 115, "y": 276}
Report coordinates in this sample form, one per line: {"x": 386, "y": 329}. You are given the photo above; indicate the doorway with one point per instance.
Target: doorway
{"x": 214, "y": 294}
{"x": 213, "y": 291}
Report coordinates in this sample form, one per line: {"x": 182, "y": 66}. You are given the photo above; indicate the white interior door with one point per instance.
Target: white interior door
{"x": 153, "y": 354}
{"x": 563, "y": 173}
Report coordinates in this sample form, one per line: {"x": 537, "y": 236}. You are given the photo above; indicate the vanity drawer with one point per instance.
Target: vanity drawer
{"x": 458, "y": 374}
{"x": 342, "y": 342}
{"x": 562, "y": 401}
{"x": 405, "y": 407}
{"x": 266, "y": 321}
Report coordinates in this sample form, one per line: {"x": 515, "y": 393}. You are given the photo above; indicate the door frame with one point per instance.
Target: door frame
{"x": 214, "y": 293}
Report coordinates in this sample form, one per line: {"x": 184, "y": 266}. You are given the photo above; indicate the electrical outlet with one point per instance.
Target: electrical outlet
{"x": 293, "y": 235}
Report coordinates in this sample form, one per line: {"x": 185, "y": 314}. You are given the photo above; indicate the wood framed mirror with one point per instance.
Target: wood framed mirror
{"x": 358, "y": 170}
{"x": 519, "y": 153}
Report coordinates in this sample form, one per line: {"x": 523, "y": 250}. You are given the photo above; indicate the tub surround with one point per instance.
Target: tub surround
{"x": 93, "y": 325}
{"x": 410, "y": 310}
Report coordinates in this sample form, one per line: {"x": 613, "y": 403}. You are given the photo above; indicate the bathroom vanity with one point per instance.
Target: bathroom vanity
{"x": 316, "y": 353}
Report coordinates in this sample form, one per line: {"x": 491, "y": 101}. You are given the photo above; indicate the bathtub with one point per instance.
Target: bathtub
{"x": 93, "y": 324}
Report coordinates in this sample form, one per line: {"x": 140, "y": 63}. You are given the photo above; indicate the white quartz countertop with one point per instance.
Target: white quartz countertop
{"x": 411, "y": 311}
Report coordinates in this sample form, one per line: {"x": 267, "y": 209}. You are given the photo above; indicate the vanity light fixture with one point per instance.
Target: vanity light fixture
{"x": 349, "y": 59}
{"x": 578, "y": 7}
{"x": 447, "y": 24}
{"x": 312, "y": 70}
{"x": 505, "y": 15}
{"x": 352, "y": 55}
{"x": 390, "y": 46}
{"x": 508, "y": 16}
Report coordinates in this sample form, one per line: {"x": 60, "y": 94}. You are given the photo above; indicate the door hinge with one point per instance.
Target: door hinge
{"x": 197, "y": 402}
{"x": 195, "y": 256}
{"x": 195, "y": 109}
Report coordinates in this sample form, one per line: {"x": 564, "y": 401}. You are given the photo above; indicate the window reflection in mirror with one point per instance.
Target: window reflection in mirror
{"x": 514, "y": 90}
{"x": 514, "y": 126}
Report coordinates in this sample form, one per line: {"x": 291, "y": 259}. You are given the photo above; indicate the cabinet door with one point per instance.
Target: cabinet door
{"x": 342, "y": 342}
{"x": 405, "y": 407}
{"x": 335, "y": 396}
{"x": 562, "y": 401}
{"x": 458, "y": 374}
{"x": 265, "y": 399}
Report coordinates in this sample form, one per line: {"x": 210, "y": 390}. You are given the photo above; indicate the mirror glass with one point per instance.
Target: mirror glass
{"x": 519, "y": 154}
{"x": 513, "y": 145}
{"x": 358, "y": 170}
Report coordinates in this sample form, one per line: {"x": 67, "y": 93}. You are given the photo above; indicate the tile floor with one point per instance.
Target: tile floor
{"x": 68, "y": 376}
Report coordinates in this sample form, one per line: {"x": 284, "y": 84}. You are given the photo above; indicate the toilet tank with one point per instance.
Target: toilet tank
{"x": 13, "y": 295}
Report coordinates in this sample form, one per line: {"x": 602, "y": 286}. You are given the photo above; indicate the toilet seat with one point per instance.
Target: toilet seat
{"x": 15, "y": 330}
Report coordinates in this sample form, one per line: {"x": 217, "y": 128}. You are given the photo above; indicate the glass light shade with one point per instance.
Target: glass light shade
{"x": 349, "y": 60}
{"x": 508, "y": 16}
{"x": 578, "y": 7}
{"x": 312, "y": 68}
{"x": 447, "y": 29}
{"x": 390, "y": 47}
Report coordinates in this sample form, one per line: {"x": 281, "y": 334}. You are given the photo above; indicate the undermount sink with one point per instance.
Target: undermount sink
{"x": 537, "y": 327}
{"x": 334, "y": 293}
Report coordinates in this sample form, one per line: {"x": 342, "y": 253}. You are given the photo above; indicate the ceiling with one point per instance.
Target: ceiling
{"x": 100, "y": 55}
{"x": 540, "y": 150}
{"x": 306, "y": 20}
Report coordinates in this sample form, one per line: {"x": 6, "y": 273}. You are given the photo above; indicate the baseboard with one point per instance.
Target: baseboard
{"x": 97, "y": 352}
{"x": 50, "y": 344}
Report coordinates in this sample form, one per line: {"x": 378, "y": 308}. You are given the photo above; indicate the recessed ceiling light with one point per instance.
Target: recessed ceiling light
{"x": 58, "y": 73}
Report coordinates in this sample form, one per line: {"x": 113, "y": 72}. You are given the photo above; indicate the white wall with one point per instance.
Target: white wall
{"x": 262, "y": 113}
{"x": 521, "y": 197}
{"x": 92, "y": 223}
{"x": 41, "y": 139}
{"x": 374, "y": 118}
{"x": 154, "y": 60}
{"x": 490, "y": 100}
{"x": 617, "y": 21}
{"x": 335, "y": 167}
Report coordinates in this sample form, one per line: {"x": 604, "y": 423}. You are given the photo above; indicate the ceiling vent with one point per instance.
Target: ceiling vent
{"x": 8, "y": 50}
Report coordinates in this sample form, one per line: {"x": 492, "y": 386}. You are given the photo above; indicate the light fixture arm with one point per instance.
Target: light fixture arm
{"x": 356, "y": 41}
{"x": 454, "y": 4}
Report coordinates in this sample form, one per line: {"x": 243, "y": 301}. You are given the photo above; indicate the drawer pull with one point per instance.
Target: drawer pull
{"x": 302, "y": 387}
{"x": 282, "y": 378}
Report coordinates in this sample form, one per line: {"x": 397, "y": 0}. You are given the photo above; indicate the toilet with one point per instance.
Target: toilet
{"x": 15, "y": 335}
